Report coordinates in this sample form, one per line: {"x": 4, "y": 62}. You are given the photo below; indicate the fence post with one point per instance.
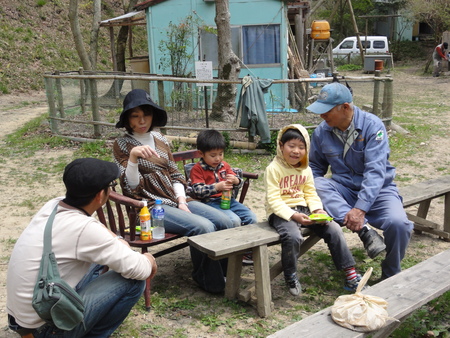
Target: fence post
{"x": 82, "y": 91}
{"x": 60, "y": 96}
{"x": 161, "y": 97}
{"x": 389, "y": 102}
{"x": 51, "y": 104}
{"x": 95, "y": 108}
{"x": 376, "y": 93}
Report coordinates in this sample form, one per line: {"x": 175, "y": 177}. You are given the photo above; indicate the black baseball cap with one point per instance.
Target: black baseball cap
{"x": 85, "y": 177}
{"x": 139, "y": 97}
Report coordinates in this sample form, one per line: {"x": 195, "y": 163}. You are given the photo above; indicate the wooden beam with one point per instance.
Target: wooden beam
{"x": 355, "y": 27}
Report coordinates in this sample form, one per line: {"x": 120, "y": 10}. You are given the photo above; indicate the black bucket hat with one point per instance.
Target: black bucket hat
{"x": 139, "y": 97}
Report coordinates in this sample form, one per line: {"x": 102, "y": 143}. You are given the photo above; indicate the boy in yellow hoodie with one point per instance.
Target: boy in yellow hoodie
{"x": 291, "y": 197}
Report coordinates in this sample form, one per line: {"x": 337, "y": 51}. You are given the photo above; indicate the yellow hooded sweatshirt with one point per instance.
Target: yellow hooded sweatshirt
{"x": 287, "y": 186}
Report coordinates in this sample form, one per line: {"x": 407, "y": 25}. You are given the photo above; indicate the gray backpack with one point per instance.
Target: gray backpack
{"x": 54, "y": 300}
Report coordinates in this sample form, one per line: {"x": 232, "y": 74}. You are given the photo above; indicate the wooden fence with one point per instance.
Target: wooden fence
{"x": 84, "y": 96}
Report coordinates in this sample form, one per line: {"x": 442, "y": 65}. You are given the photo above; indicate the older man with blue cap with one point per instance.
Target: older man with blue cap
{"x": 361, "y": 190}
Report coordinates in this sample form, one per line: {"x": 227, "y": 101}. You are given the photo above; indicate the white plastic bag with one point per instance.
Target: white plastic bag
{"x": 358, "y": 312}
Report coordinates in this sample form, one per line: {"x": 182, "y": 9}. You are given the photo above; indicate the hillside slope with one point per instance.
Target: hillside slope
{"x": 35, "y": 38}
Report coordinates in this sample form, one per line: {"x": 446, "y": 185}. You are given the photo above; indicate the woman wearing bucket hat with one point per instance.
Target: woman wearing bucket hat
{"x": 148, "y": 171}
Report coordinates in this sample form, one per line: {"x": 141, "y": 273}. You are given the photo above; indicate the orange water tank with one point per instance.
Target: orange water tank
{"x": 320, "y": 30}
{"x": 379, "y": 65}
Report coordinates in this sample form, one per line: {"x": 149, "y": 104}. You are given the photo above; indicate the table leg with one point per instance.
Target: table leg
{"x": 446, "y": 227}
{"x": 262, "y": 280}
{"x": 234, "y": 270}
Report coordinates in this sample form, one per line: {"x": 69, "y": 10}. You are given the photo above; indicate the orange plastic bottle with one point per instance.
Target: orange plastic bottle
{"x": 144, "y": 217}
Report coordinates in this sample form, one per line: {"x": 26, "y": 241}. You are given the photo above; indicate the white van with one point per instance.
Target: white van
{"x": 373, "y": 45}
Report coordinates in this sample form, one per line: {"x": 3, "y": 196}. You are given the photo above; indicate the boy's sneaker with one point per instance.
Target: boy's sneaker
{"x": 353, "y": 285}
{"x": 294, "y": 287}
{"x": 373, "y": 242}
{"x": 247, "y": 259}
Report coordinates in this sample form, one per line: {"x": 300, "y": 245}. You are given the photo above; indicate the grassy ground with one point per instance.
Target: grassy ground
{"x": 181, "y": 310}
{"x": 214, "y": 315}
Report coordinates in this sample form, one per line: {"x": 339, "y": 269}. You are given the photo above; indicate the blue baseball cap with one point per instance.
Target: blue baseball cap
{"x": 330, "y": 96}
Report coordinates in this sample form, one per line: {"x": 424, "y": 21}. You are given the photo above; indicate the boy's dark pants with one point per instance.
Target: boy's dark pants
{"x": 292, "y": 238}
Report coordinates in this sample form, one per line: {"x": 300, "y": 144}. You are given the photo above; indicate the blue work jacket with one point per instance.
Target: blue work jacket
{"x": 365, "y": 166}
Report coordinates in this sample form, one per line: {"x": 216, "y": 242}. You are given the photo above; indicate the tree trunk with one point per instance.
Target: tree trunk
{"x": 122, "y": 39}
{"x": 77, "y": 37}
{"x": 224, "y": 107}
{"x": 96, "y": 18}
{"x": 121, "y": 48}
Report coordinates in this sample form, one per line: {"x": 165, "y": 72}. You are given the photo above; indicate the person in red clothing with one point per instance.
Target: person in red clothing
{"x": 212, "y": 175}
{"x": 439, "y": 54}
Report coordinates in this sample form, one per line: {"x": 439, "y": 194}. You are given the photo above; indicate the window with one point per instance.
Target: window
{"x": 259, "y": 44}
{"x": 347, "y": 45}
{"x": 379, "y": 44}
{"x": 365, "y": 44}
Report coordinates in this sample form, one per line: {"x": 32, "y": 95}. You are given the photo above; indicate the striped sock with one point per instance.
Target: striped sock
{"x": 350, "y": 273}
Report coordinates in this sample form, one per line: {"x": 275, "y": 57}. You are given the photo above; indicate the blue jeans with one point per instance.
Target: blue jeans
{"x": 202, "y": 219}
{"x": 108, "y": 299}
{"x": 386, "y": 214}
{"x": 238, "y": 213}
{"x": 292, "y": 238}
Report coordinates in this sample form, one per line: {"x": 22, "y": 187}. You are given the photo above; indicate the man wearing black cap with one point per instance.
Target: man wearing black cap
{"x": 82, "y": 246}
{"x": 439, "y": 54}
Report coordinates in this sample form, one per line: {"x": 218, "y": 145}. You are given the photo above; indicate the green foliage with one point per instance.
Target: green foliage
{"x": 40, "y": 37}
{"x": 177, "y": 54}
{"x": 30, "y": 138}
{"x": 433, "y": 317}
{"x": 409, "y": 50}
{"x": 226, "y": 136}
{"x": 342, "y": 24}
{"x": 272, "y": 146}
{"x": 433, "y": 12}
{"x": 96, "y": 149}
{"x": 181, "y": 97}
{"x": 3, "y": 85}
{"x": 349, "y": 67}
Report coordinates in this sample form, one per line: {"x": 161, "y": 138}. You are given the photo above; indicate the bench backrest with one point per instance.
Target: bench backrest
{"x": 192, "y": 156}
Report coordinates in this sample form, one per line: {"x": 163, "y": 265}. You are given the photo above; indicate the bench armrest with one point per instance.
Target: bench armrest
{"x": 253, "y": 176}
{"x": 128, "y": 201}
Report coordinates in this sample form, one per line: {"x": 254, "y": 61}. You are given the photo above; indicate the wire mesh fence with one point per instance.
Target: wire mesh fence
{"x": 86, "y": 105}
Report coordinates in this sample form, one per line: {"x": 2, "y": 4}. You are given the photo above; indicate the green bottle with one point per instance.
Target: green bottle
{"x": 226, "y": 199}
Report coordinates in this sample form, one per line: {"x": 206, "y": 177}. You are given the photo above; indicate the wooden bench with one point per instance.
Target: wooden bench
{"x": 232, "y": 243}
{"x": 120, "y": 212}
{"x": 404, "y": 292}
{"x": 423, "y": 193}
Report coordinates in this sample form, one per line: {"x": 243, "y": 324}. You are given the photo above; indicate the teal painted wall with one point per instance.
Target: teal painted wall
{"x": 249, "y": 12}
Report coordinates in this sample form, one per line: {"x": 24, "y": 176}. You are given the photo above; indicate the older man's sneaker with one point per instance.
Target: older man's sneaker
{"x": 294, "y": 287}
{"x": 373, "y": 242}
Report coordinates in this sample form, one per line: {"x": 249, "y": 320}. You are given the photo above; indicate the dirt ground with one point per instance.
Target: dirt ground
{"x": 21, "y": 197}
